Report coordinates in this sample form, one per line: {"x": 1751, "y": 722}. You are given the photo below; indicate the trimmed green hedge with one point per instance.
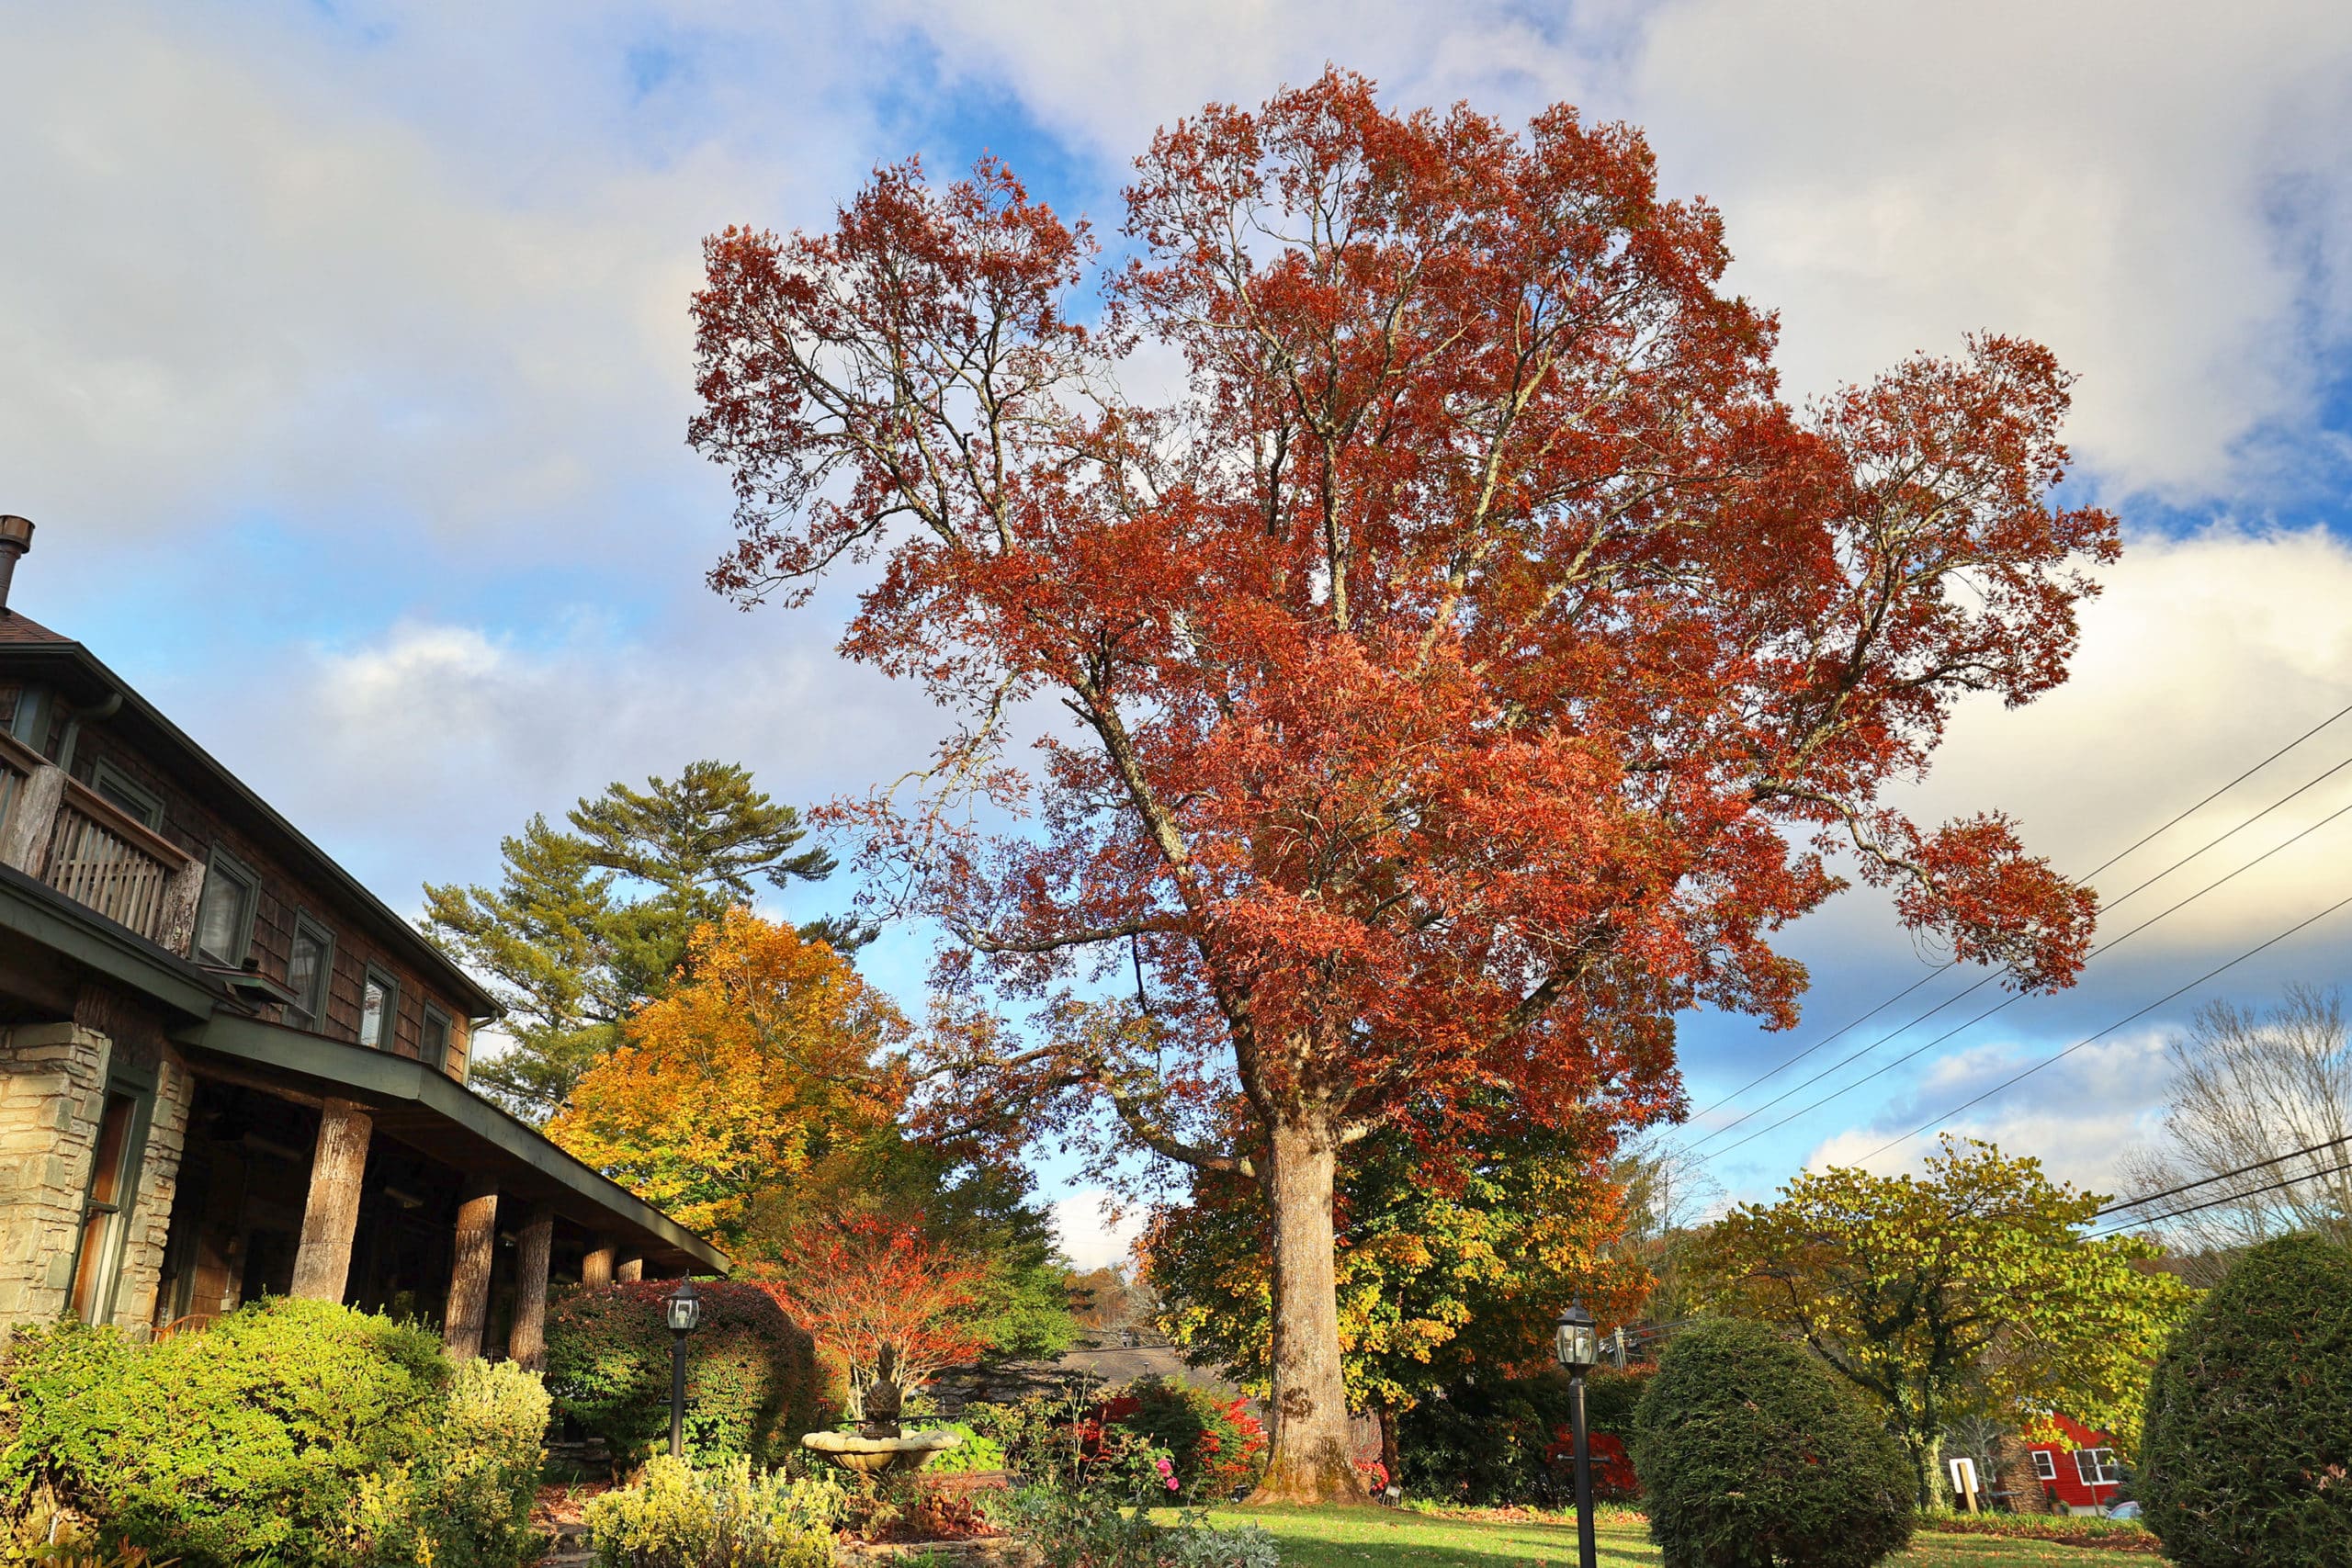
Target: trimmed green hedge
{"x": 2246, "y": 1453}
{"x": 1752, "y": 1455}
{"x": 752, "y": 1381}
{"x": 273, "y": 1436}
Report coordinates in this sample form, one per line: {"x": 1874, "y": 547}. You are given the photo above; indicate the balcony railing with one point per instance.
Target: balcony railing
{"x": 61, "y": 831}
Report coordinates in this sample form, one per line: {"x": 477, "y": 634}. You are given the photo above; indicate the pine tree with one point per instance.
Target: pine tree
{"x": 585, "y": 924}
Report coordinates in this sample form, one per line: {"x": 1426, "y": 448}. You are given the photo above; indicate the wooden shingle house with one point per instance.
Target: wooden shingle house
{"x": 228, "y": 1070}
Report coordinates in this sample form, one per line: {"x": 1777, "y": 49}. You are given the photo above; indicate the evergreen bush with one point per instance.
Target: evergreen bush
{"x": 731, "y": 1515}
{"x": 2246, "y": 1455}
{"x": 1496, "y": 1442}
{"x": 751, "y": 1371}
{"x": 1752, "y": 1455}
{"x": 465, "y": 1500}
{"x": 256, "y": 1439}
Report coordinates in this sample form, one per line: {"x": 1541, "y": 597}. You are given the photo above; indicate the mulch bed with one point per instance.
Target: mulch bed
{"x": 2094, "y": 1534}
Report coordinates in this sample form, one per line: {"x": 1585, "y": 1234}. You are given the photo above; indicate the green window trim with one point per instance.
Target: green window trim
{"x": 387, "y": 1015}
{"x": 433, "y": 1039}
{"x": 309, "y": 1011}
{"x": 119, "y": 789}
{"x": 221, "y": 870}
{"x": 110, "y": 1199}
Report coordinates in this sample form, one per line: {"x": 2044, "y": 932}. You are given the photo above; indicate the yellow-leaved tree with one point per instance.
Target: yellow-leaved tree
{"x": 1969, "y": 1290}
{"x": 768, "y": 1056}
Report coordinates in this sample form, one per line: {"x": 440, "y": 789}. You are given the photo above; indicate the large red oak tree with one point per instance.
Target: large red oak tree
{"x": 1471, "y": 660}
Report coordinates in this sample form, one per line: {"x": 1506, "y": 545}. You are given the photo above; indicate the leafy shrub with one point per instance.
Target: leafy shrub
{"x": 1080, "y": 1530}
{"x": 2248, "y": 1436}
{"x": 1506, "y": 1442}
{"x": 977, "y": 1451}
{"x": 750, "y": 1373}
{"x": 464, "y": 1501}
{"x": 1214, "y": 1444}
{"x": 727, "y": 1516}
{"x": 1753, "y": 1456}
{"x": 247, "y": 1442}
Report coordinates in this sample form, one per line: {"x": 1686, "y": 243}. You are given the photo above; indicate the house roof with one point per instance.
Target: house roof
{"x": 32, "y": 648}
{"x": 15, "y": 628}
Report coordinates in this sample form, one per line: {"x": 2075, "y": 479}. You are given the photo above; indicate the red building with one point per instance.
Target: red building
{"x": 2081, "y": 1480}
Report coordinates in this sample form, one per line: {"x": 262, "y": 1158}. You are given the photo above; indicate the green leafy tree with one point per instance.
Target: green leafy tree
{"x": 1449, "y": 1262}
{"x": 588, "y": 921}
{"x": 1967, "y": 1291}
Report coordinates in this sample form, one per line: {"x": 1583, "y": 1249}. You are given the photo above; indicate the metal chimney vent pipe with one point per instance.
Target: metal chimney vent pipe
{"x": 15, "y": 538}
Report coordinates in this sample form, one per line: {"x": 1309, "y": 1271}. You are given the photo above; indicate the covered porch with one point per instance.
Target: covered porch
{"x": 326, "y": 1170}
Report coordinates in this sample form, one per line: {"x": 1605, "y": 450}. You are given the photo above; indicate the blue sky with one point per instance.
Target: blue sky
{"x": 344, "y": 368}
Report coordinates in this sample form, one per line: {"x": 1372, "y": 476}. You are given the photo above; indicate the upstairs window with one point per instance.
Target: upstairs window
{"x": 224, "y": 920}
{"x": 118, "y": 788}
{"x": 2096, "y": 1467}
{"x": 309, "y": 963}
{"x": 379, "y": 1007}
{"x": 433, "y": 1039}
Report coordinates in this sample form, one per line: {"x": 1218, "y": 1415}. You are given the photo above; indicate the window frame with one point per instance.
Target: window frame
{"x": 438, "y": 1060}
{"x": 377, "y": 975}
{"x": 313, "y": 1020}
{"x": 2045, "y": 1465}
{"x": 104, "y": 775}
{"x": 2103, "y": 1471}
{"x": 250, "y": 911}
{"x": 114, "y": 1237}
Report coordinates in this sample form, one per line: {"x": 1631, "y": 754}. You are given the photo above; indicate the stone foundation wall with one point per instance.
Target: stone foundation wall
{"x": 52, "y": 1091}
{"x": 53, "y": 1079}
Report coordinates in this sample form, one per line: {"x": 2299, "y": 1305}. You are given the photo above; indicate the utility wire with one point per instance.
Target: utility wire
{"x": 2168, "y": 996}
{"x": 1990, "y": 977}
{"x": 2118, "y": 1207}
{"x": 2215, "y": 1203}
{"x": 2104, "y": 949}
{"x": 2162, "y": 828}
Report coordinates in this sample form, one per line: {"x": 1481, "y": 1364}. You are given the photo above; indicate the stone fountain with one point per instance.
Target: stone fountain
{"x": 878, "y": 1446}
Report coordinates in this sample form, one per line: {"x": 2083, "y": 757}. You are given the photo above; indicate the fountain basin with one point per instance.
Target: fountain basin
{"x": 879, "y": 1456}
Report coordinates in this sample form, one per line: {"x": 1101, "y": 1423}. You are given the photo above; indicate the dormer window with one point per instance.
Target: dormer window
{"x": 224, "y": 920}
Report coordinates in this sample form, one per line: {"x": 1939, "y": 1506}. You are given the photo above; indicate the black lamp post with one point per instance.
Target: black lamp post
{"x": 1577, "y": 1343}
{"x": 685, "y": 1310}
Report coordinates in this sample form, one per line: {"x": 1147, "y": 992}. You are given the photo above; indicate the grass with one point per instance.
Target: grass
{"x": 1392, "y": 1538}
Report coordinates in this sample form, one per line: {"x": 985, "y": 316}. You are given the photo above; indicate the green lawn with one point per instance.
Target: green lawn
{"x": 1387, "y": 1537}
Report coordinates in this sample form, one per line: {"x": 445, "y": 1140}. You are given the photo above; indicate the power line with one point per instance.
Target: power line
{"x": 2020, "y": 1077}
{"x": 2152, "y": 833}
{"x": 2122, "y": 1205}
{"x": 2103, "y": 949}
{"x": 2215, "y": 1203}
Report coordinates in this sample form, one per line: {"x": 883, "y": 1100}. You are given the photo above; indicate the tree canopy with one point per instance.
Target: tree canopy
{"x": 1470, "y": 661}
{"x": 588, "y": 921}
{"x": 1969, "y": 1290}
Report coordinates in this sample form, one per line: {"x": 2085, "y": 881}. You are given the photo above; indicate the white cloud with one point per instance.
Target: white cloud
{"x": 1089, "y": 1237}
{"x": 2081, "y": 1117}
{"x": 2155, "y": 190}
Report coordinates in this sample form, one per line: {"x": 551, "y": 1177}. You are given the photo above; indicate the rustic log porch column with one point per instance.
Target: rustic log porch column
{"x": 527, "y": 1342}
{"x": 469, "y": 1312}
{"x": 331, "y": 1215}
{"x": 632, "y": 1269}
{"x": 597, "y": 1267}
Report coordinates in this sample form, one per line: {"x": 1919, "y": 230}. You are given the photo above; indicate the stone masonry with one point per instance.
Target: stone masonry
{"x": 52, "y": 1091}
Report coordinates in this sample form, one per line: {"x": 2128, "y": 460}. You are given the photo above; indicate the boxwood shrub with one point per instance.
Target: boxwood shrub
{"x": 2246, "y": 1453}
{"x": 751, "y": 1384}
{"x": 263, "y": 1438}
{"x": 1752, "y": 1455}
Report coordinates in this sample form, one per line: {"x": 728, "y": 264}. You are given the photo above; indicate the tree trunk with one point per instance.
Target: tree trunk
{"x": 1392, "y": 1454}
{"x": 1312, "y": 1458}
{"x": 1927, "y": 1464}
